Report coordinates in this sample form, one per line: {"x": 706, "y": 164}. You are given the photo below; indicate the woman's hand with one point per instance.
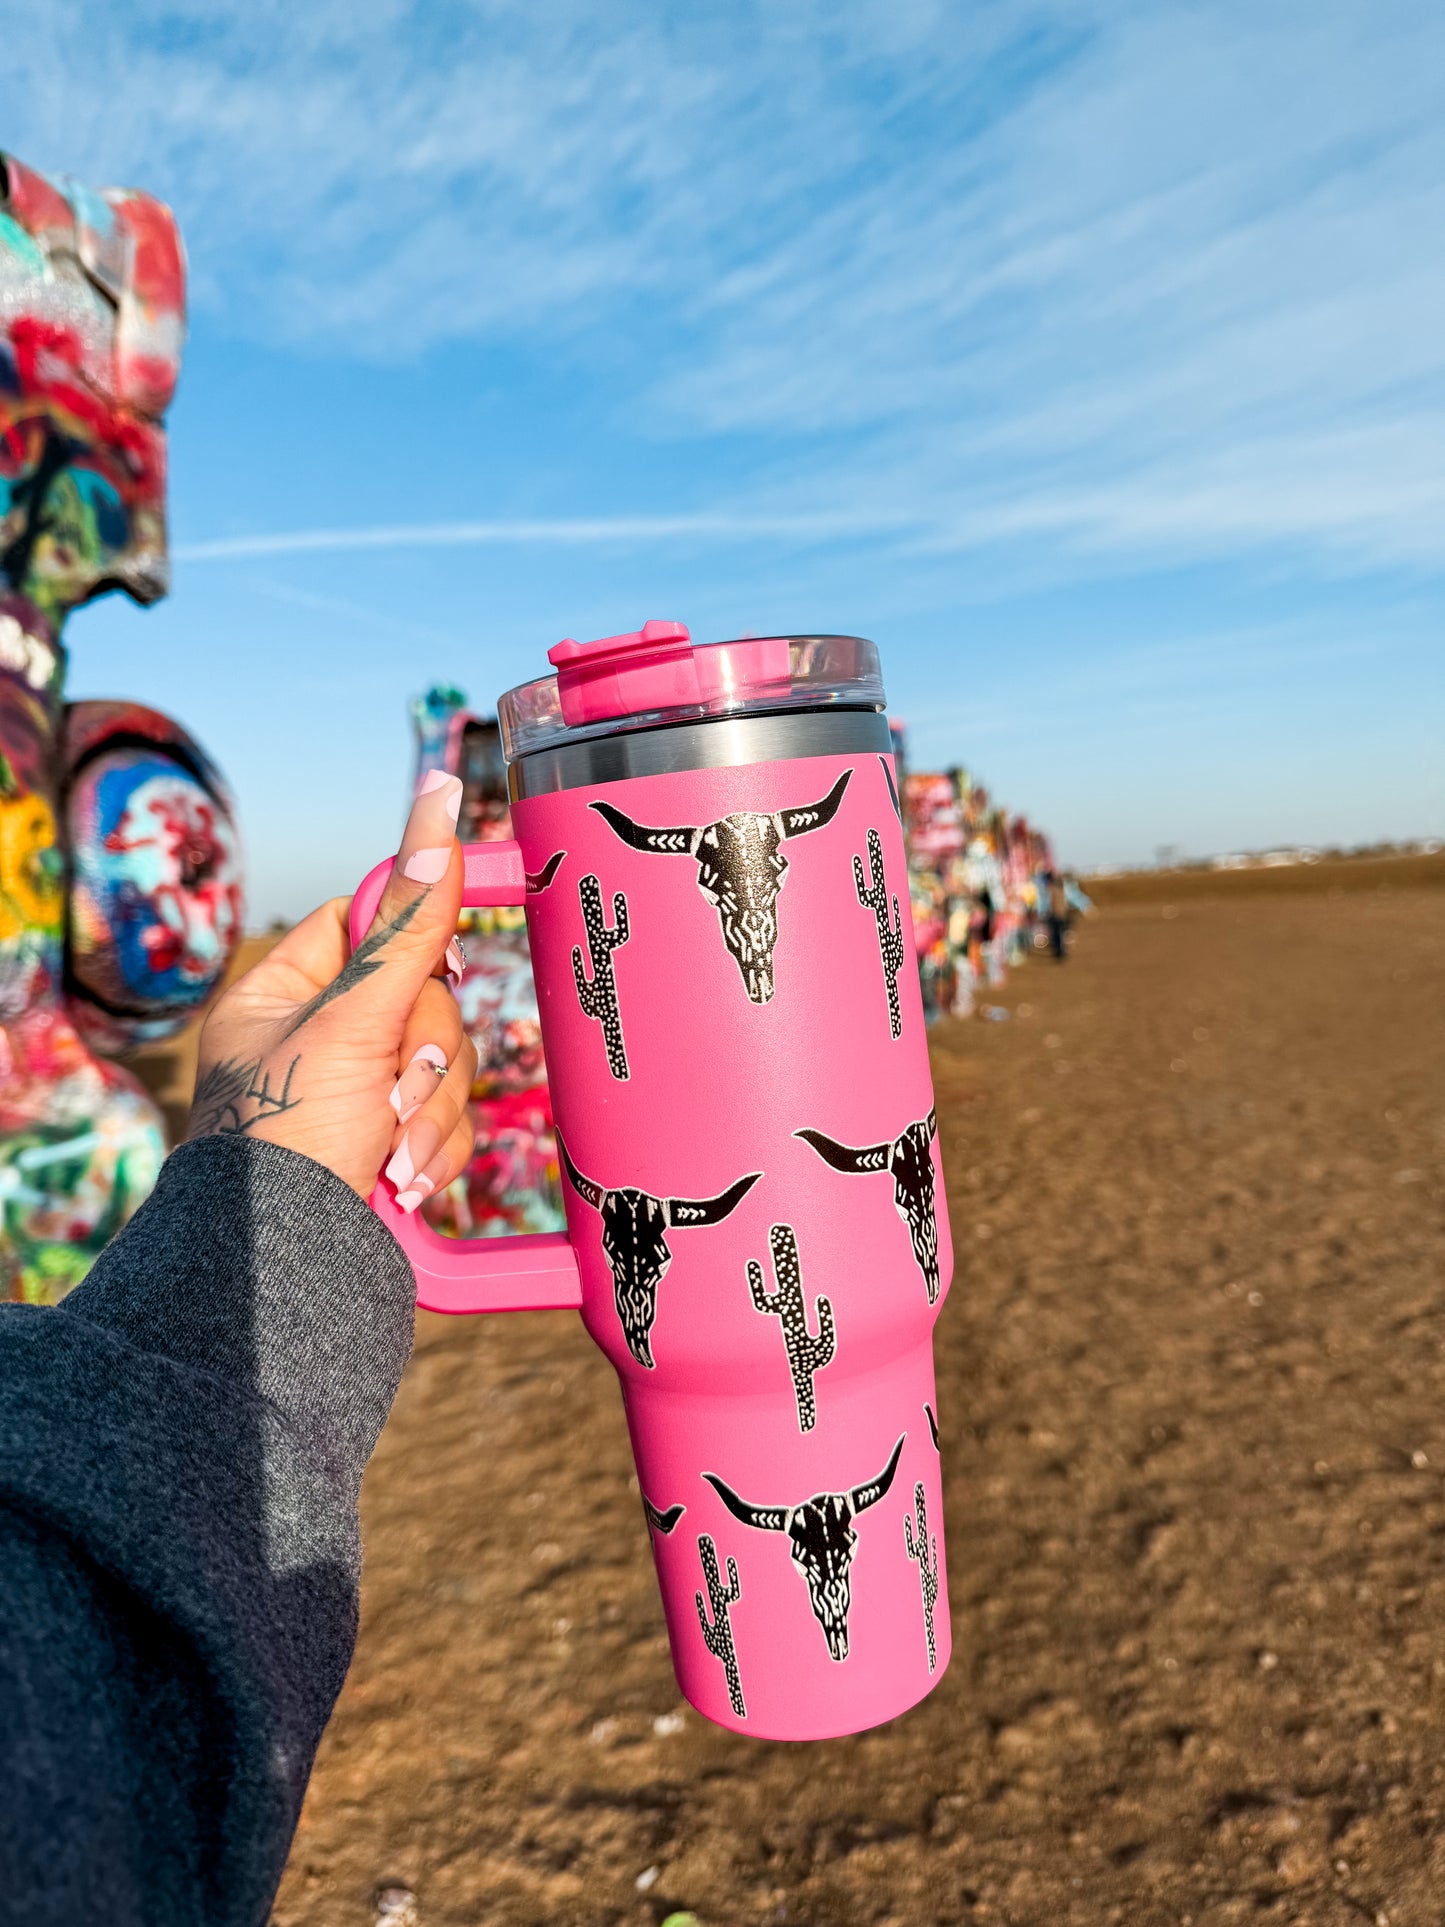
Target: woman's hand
{"x": 357, "y": 1057}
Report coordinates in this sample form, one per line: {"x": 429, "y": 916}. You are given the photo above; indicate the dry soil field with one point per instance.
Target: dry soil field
{"x": 1193, "y": 1406}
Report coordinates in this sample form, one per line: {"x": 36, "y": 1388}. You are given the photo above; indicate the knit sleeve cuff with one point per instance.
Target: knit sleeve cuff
{"x": 259, "y": 1265}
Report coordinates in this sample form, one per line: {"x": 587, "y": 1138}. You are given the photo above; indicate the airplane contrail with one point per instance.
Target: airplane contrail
{"x": 561, "y": 531}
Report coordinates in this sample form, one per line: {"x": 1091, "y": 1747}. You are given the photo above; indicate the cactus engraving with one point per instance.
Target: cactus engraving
{"x": 927, "y": 1574}
{"x": 806, "y": 1354}
{"x": 598, "y": 997}
{"x": 718, "y": 1635}
{"x": 874, "y": 897}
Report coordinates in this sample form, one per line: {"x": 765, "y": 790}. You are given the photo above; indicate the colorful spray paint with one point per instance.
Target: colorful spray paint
{"x": 119, "y": 862}
{"x": 972, "y": 881}
{"x": 513, "y": 1182}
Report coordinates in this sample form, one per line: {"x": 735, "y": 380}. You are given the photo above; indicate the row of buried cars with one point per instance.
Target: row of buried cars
{"x": 513, "y": 1182}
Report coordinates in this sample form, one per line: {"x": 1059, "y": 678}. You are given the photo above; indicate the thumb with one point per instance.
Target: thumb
{"x": 412, "y": 936}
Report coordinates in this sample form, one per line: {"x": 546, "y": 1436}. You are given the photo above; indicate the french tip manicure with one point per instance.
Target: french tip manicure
{"x": 420, "y": 1188}
{"x": 437, "y": 780}
{"x": 412, "y": 1156}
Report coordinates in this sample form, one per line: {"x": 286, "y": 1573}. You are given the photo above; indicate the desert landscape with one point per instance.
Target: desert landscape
{"x": 1190, "y": 1386}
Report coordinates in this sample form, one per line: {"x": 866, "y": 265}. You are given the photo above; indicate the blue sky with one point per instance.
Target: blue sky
{"x": 1091, "y": 358}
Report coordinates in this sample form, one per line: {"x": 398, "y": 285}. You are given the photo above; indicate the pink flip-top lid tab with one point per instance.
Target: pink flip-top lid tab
{"x": 658, "y": 667}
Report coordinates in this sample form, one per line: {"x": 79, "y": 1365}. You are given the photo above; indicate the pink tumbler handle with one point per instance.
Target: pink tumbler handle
{"x": 517, "y": 1273}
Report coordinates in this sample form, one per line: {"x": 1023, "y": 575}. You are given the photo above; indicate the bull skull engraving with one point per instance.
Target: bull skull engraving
{"x": 823, "y": 1541}
{"x": 740, "y": 870}
{"x": 910, "y": 1161}
{"x": 893, "y": 796}
{"x": 539, "y": 880}
{"x": 634, "y": 1239}
{"x": 660, "y": 1521}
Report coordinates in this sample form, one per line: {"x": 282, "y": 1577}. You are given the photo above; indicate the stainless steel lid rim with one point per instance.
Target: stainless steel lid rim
{"x": 718, "y": 743}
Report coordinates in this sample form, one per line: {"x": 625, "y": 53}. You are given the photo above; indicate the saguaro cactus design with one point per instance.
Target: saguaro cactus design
{"x": 890, "y": 935}
{"x": 718, "y": 1635}
{"x": 927, "y": 1573}
{"x": 806, "y": 1354}
{"x": 598, "y": 997}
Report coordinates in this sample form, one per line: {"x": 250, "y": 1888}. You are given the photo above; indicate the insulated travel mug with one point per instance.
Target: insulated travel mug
{"x": 710, "y": 852}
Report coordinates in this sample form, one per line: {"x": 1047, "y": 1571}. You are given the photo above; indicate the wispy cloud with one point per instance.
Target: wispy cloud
{"x": 1132, "y": 281}
{"x": 560, "y": 532}
{"x": 351, "y": 611}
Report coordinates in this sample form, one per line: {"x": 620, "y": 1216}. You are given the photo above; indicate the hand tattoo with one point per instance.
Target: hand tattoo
{"x": 232, "y": 1096}
{"x": 359, "y": 966}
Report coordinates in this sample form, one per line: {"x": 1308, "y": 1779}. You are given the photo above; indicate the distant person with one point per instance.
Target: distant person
{"x": 958, "y": 938}
{"x": 182, "y": 1439}
{"x": 980, "y": 931}
{"x": 1057, "y": 912}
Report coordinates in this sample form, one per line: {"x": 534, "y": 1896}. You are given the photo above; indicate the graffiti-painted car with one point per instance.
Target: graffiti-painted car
{"x": 513, "y": 1182}
{"x": 120, "y": 869}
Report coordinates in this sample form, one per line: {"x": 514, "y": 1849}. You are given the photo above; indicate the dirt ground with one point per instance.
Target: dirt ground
{"x": 1192, "y": 1397}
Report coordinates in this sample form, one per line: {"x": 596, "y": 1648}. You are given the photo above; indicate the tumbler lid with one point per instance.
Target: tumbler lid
{"x": 657, "y": 675}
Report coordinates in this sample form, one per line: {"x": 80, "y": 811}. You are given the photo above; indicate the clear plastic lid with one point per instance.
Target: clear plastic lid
{"x": 658, "y": 676}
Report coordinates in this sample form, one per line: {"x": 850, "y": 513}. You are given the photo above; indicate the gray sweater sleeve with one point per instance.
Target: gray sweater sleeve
{"x": 181, "y": 1450}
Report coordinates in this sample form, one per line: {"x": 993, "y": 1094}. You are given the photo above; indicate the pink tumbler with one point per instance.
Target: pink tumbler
{"x": 711, "y": 857}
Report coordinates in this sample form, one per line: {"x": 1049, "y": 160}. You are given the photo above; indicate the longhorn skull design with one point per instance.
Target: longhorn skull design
{"x": 539, "y": 880}
{"x": 660, "y": 1521}
{"x": 740, "y": 870}
{"x": 893, "y": 796}
{"x": 910, "y": 1160}
{"x": 823, "y": 1541}
{"x": 634, "y": 1239}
